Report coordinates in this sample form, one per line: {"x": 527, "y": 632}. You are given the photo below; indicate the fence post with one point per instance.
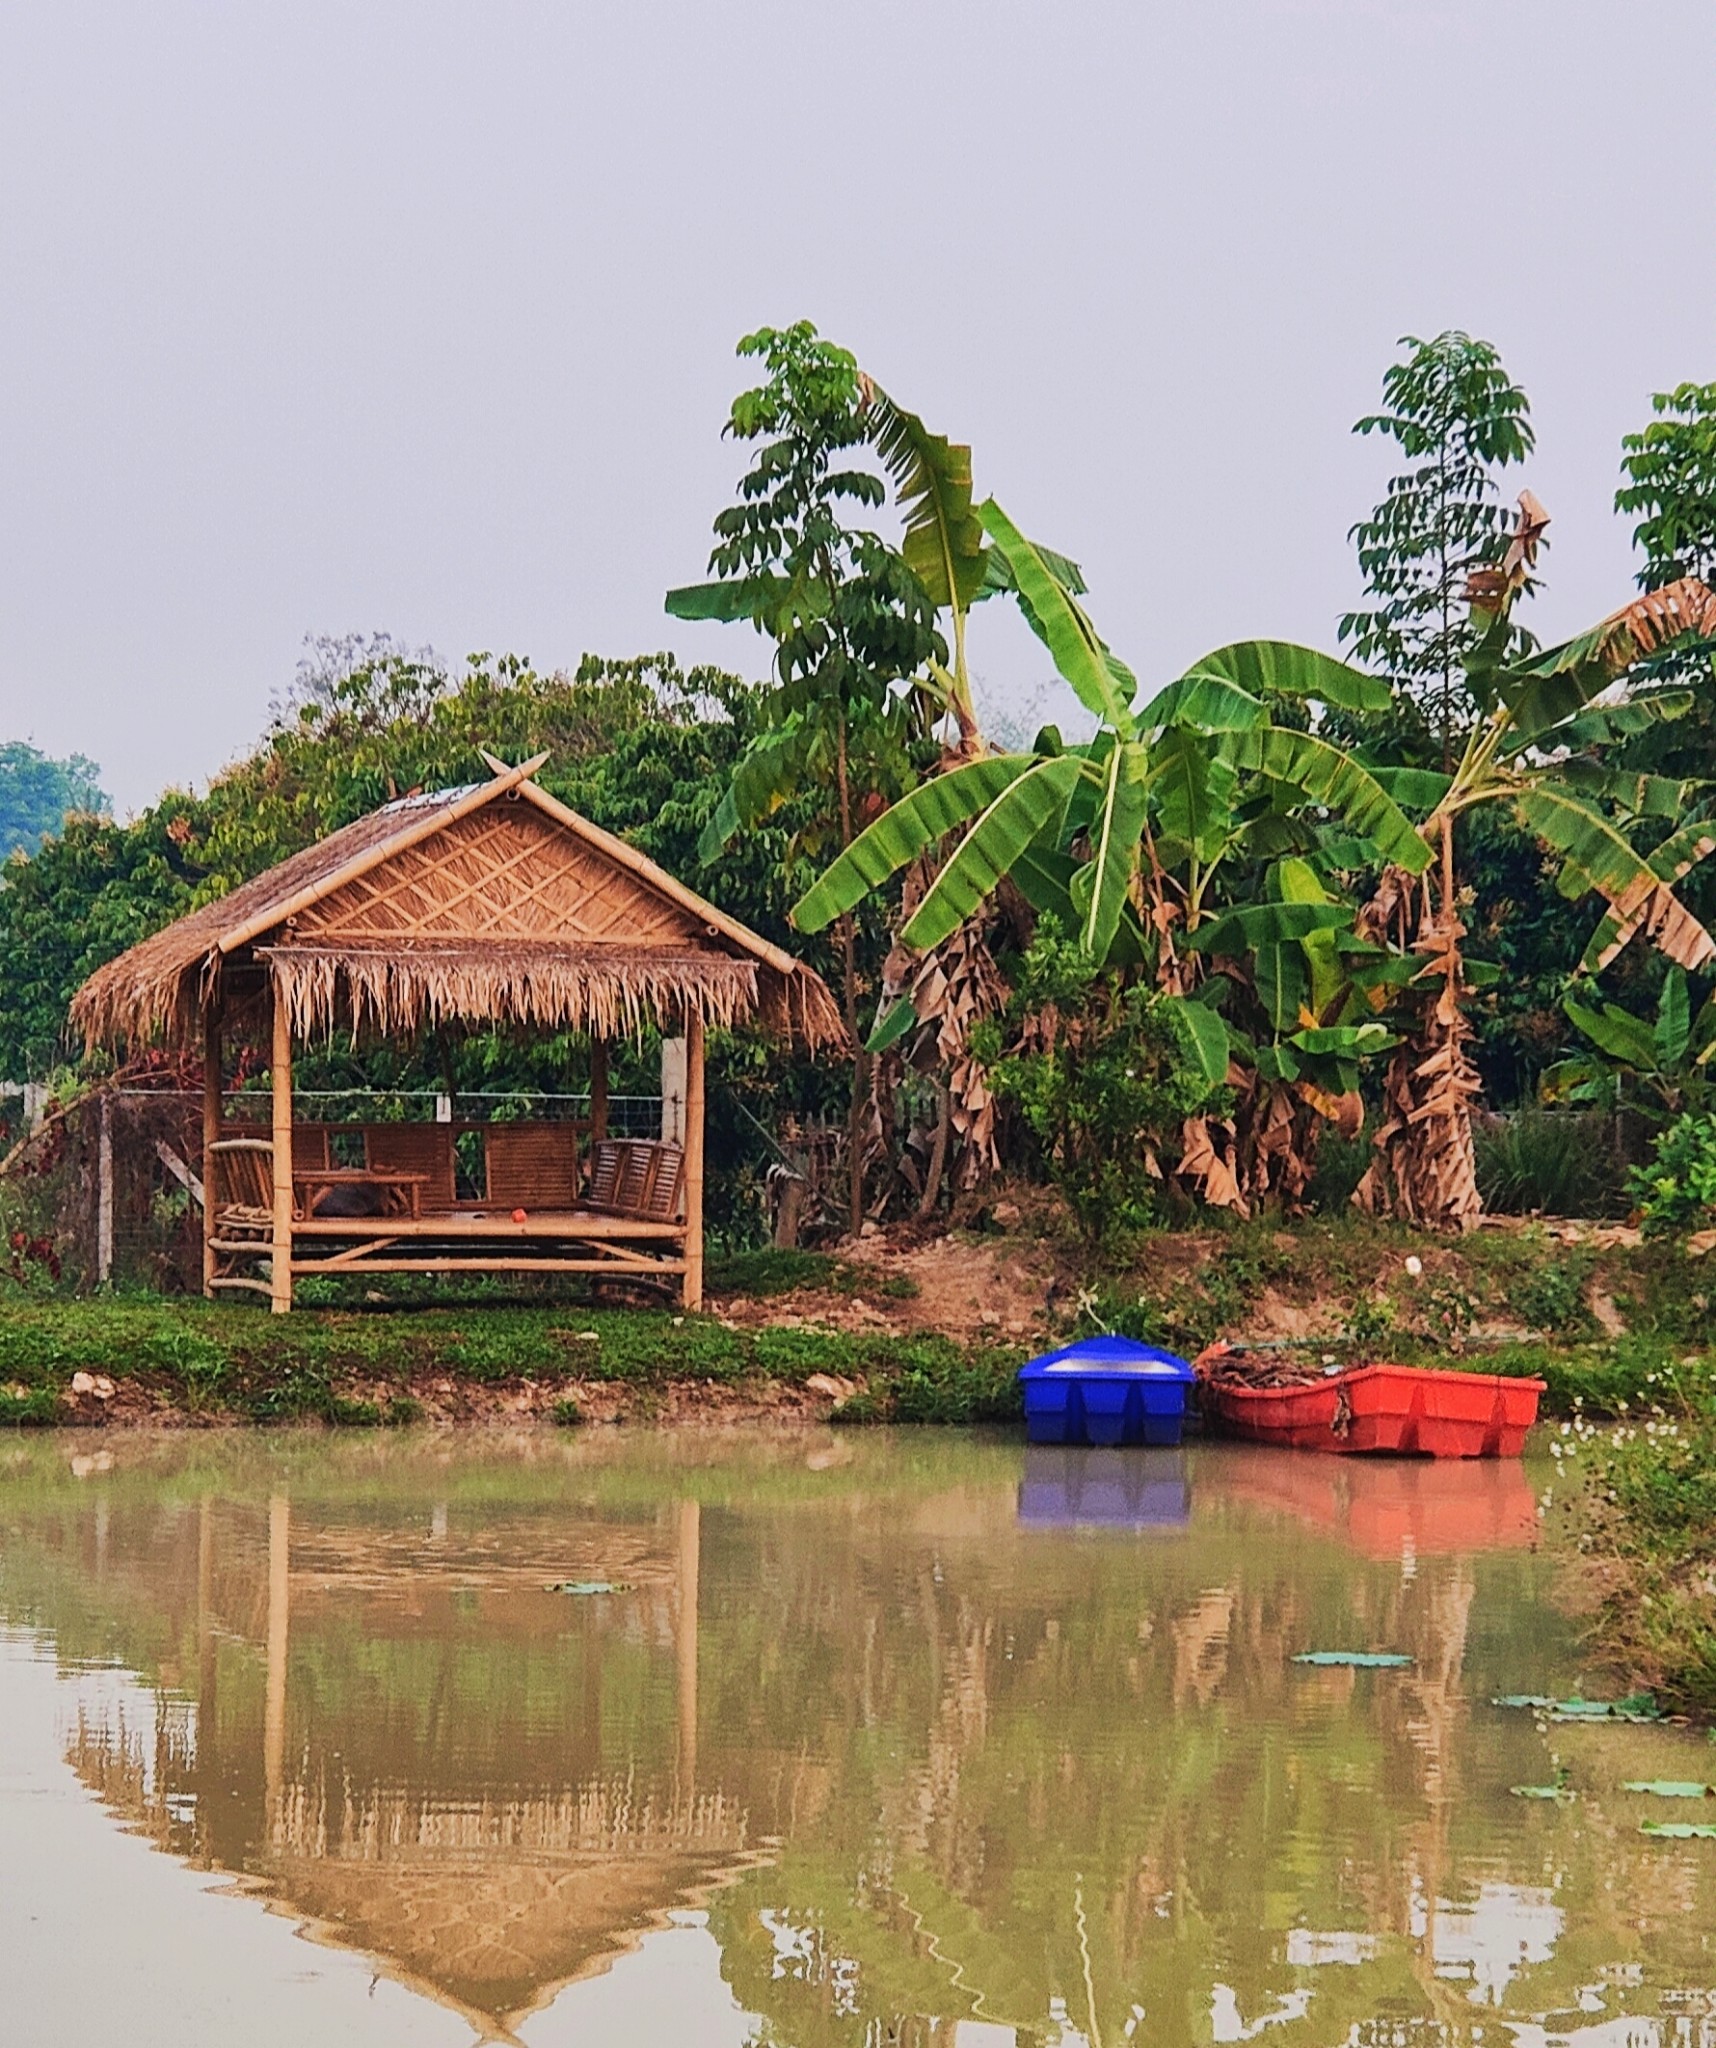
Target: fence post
{"x": 104, "y": 1194}
{"x": 673, "y": 1091}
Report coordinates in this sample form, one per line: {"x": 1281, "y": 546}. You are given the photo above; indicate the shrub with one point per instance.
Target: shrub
{"x": 1548, "y": 1162}
{"x": 1103, "y": 1076}
{"x": 1677, "y": 1186}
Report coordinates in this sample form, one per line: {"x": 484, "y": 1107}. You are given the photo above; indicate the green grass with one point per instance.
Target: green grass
{"x": 359, "y": 1369}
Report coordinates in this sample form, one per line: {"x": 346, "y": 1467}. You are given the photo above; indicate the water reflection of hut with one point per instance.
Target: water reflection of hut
{"x": 489, "y": 1895}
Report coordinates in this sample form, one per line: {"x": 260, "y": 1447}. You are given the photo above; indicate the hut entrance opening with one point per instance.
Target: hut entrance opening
{"x": 490, "y": 907}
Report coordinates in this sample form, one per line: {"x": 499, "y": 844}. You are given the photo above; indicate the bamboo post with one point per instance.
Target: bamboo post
{"x": 211, "y": 1133}
{"x": 280, "y": 1073}
{"x": 693, "y": 1294}
{"x": 104, "y": 1193}
{"x": 598, "y": 1088}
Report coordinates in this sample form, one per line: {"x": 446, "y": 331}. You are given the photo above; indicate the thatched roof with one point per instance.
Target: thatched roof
{"x": 492, "y": 904}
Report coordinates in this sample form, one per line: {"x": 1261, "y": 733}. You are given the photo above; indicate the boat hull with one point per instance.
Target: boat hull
{"x": 1385, "y": 1410}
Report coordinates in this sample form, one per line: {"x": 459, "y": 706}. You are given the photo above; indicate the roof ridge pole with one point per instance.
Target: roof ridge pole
{"x": 280, "y": 1077}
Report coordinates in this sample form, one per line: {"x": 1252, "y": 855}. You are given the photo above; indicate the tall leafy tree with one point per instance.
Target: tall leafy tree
{"x": 38, "y": 794}
{"x": 1669, "y": 487}
{"x": 1670, "y": 472}
{"x": 1458, "y": 419}
{"x": 1541, "y": 750}
{"x": 850, "y": 621}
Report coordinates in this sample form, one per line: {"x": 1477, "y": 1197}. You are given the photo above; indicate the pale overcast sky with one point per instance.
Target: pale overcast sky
{"x": 330, "y": 318}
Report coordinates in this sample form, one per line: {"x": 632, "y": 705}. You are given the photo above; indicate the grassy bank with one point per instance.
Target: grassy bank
{"x": 178, "y": 1359}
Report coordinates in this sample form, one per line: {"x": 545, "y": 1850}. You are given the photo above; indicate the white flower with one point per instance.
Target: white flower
{"x": 1414, "y": 1264}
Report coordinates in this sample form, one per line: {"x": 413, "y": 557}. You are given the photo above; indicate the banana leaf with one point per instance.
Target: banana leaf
{"x": 1344, "y": 1041}
{"x": 998, "y": 574}
{"x": 1597, "y": 853}
{"x": 728, "y": 602}
{"x": 1207, "y": 1032}
{"x": 1114, "y": 847}
{"x": 1643, "y": 796}
{"x": 1414, "y": 789}
{"x": 1212, "y": 703}
{"x": 920, "y": 818}
{"x": 889, "y": 1029}
{"x": 1194, "y": 789}
{"x": 1615, "y": 1031}
{"x": 1029, "y": 804}
{"x": 1326, "y": 775}
{"x": 1673, "y": 1020}
{"x": 1267, "y": 924}
{"x": 1043, "y": 876}
{"x": 1101, "y": 682}
{"x": 1285, "y": 669}
{"x": 1678, "y": 855}
{"x": 1282, "y": 982}
{"x": 1605, "y": 724}
{"x": 1297, "y": 882}
{"x": 943, "y": 545}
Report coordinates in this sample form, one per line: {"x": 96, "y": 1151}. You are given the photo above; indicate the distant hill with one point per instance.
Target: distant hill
{"x": 37, "y": 794}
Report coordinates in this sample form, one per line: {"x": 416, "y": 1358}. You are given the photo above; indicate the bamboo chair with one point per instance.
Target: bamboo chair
{"x": 238, "y": 1176}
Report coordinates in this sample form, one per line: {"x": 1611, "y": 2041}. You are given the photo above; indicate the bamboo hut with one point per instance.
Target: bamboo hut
{"x": 491, "y": 906}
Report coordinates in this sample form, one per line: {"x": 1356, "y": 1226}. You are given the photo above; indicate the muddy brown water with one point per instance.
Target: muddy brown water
{"x": 875, "y": 1740}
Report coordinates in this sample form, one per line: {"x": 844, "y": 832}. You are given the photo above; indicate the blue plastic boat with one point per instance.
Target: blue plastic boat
{"x": 1106, "y": 1390}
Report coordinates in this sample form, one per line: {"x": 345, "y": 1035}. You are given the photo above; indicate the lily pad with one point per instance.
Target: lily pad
{"x": 1679, "y": 1830}
{"x": 1670, "y": 1788}
{"x": 1360, "y": 1660}
{"x": 1557, "y": 1792}
{"x": 1636, "y": 1707}
{"x": 583, "y": 1589}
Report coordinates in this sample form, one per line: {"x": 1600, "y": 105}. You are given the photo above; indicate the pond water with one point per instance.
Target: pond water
{"x": 871, "y": 1739}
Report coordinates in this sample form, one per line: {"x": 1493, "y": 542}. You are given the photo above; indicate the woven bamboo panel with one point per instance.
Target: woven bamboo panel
{"x": 414, "y": 1148}
{"x": 532, "y": 1166}
{"x": 505, "y": 873}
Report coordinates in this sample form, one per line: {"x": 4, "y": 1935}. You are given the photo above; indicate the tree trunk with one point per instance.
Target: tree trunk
{"x": 1425, "y": 1167}
{"x": 859, "y": 1107}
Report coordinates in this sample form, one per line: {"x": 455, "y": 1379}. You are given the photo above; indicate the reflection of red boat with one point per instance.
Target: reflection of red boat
{"x": 1406, "y": 1409}
{"x": 1390, "y": 1507}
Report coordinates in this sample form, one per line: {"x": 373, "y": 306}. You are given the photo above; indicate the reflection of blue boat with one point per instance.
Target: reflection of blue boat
{"x": 1067, "y": 1486}
{"x": 1106, "y": 1390}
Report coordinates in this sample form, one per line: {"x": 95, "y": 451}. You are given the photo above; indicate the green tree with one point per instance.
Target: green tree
{"x": 38, "y": 794}
{"x": 850, "y": 621}
{"x": 1541, "y": 751}
{"x": 1459, "y": 419}
{"x": 1670, "y": 472}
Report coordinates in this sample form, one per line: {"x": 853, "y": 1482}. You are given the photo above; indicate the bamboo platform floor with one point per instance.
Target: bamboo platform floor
{"x": 563, "y": 1241}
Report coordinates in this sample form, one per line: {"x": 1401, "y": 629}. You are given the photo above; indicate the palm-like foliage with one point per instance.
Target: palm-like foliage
{"x": 1197, "y": 773}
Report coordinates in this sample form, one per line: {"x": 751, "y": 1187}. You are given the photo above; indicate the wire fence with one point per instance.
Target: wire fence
{"x": 111, "y": 1191}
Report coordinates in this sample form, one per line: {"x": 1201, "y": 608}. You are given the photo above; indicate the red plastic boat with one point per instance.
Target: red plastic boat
{"x": 1406, "y": 1410}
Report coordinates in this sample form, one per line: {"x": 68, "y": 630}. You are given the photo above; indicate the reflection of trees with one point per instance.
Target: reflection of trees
{"x": 941, "y": 1733}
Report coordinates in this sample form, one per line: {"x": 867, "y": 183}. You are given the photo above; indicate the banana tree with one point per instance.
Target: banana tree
{"x": 1657, "y": 1066}
{"x": 1536, "y": 750}
{"x": 1124, "y": 837}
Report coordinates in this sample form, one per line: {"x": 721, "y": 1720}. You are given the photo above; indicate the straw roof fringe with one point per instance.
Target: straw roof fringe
{"x": 453, "y": 905}
{"x": 397, "y": 992}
